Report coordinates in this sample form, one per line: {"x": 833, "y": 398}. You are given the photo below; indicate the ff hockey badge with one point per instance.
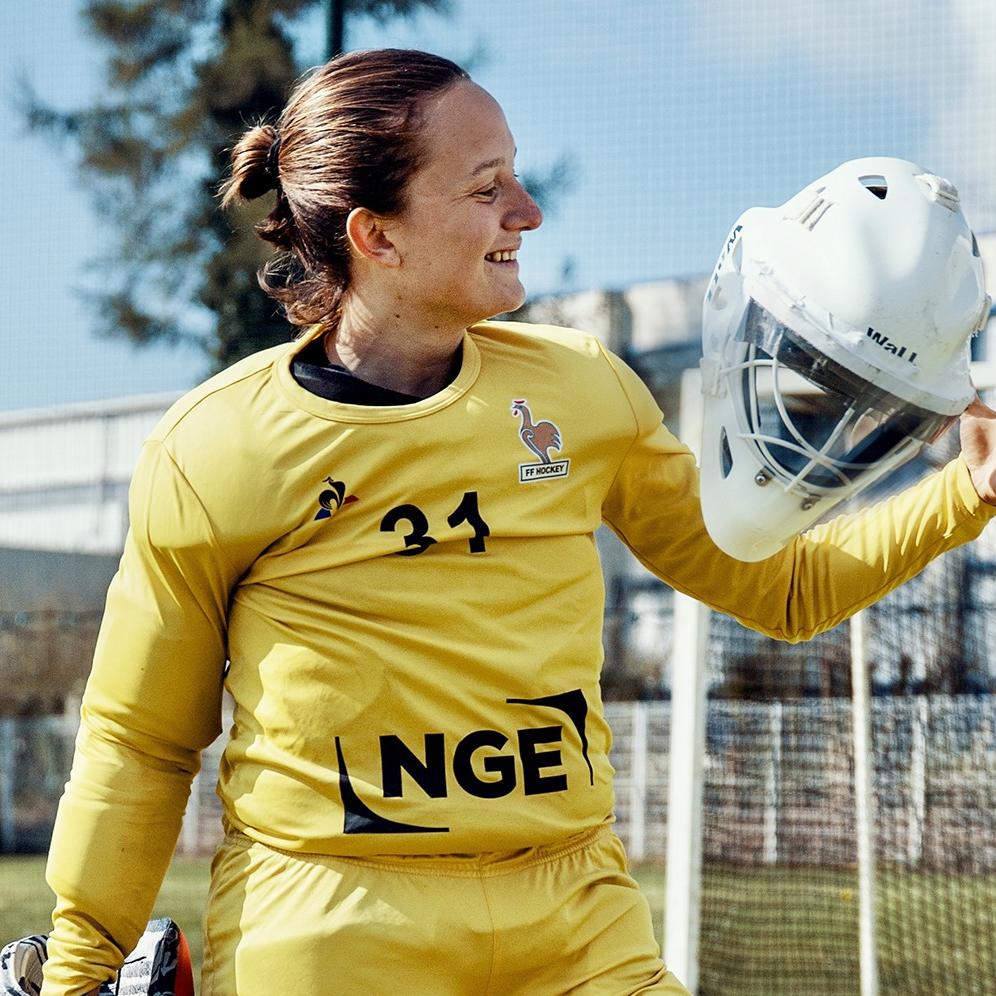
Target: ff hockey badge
{"x": 539, "y": 438}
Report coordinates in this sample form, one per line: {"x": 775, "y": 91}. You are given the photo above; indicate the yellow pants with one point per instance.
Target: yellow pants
{"x": 545, "y": 921}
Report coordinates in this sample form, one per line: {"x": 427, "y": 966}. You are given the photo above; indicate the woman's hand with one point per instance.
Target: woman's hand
{"x": 978, "y": 447}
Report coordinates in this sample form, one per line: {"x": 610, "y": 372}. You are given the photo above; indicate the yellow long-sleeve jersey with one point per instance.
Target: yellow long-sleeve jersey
{"x": 411, "y": 603}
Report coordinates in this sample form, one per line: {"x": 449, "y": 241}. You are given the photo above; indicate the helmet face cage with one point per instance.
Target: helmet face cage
{"x": 835, "y": 334}
{"x": 837, "y": 432}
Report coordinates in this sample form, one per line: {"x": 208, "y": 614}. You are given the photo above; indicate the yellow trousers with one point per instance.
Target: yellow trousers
{"x": 544, "y": 921}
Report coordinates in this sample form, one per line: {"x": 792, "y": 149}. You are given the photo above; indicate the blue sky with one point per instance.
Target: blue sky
{"x": 677, "y": 116}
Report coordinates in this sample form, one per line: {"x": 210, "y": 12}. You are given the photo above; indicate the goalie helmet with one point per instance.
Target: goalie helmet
{"x": 836, "y": 333}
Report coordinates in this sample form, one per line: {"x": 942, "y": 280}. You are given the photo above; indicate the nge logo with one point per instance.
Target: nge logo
{"x": 483, "y": 763}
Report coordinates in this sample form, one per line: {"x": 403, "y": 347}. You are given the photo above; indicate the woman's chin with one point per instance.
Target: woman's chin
{"x": 513, "y": 302}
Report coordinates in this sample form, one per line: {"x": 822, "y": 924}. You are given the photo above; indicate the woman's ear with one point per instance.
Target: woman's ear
{"x": 369, "y": 239}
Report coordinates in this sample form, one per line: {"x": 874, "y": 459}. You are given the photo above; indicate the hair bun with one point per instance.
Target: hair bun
{"x": 254, "y": 165}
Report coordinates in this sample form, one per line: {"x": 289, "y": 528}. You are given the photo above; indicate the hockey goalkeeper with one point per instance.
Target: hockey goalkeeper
{"x": 386, "y": 527}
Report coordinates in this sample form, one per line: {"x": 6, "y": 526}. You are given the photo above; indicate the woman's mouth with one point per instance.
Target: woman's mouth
{"x": 503, "y": 256}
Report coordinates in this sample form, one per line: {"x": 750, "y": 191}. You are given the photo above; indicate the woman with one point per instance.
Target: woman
{"x": 386, "y": 527}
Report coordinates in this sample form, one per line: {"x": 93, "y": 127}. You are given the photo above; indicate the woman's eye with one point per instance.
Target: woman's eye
{"x": 490, "y": 192}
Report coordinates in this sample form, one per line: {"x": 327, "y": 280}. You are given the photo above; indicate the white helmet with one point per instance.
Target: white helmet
{"x": 836, "y": 334}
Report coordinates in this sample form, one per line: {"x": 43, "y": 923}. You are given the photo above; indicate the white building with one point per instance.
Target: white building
{"x": 64, "y": 472}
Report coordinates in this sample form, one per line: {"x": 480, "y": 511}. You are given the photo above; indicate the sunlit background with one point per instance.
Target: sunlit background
{"x": 650, "y": 125}
{"x": 671, "y": 118}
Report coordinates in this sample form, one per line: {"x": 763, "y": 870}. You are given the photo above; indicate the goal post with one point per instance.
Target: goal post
{"x": 864, "y": 805}
{"x": 682, "y": 903}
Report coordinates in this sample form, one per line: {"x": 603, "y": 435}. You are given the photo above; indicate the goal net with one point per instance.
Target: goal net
{"x": 781, "y": 877}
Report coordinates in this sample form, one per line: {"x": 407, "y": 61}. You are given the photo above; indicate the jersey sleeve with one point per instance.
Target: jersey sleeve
{"x": 152, "y": 703}
{"x": 827, "y": 574}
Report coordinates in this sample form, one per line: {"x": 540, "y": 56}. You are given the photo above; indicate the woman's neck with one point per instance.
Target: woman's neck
{"x": 390, "y": 353}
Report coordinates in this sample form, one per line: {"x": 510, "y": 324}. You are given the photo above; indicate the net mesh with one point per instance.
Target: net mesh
{"x": 671, "y": 119}
{"x": 780, "y": 880}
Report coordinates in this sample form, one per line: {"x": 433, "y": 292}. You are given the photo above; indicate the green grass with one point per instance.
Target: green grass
{"x": 767, "y": 932}
{"x": 788, "y": 931}
{"x": 26, "y": 901}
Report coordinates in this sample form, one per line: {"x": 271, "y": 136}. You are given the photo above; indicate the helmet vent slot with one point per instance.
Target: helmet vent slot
{"x": 813, "y": 212}
{"x": 875, "y": 184}
{"x": 725, "y": 456}
{"x": 944, "y": 192}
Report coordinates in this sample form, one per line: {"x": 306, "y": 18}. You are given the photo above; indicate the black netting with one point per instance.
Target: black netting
{"x": 780, "y": 881}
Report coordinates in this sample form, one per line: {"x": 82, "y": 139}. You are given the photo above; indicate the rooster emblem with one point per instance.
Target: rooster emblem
{"x": 539, "y": 437}
{"x": 333, "y": 499}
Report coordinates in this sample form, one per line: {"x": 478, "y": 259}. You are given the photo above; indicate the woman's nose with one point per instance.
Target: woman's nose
{"x": 525, "y": 214}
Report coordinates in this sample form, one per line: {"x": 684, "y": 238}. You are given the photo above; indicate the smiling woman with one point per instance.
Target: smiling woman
{"x": 448, "y": 259}
{"x": 402, "y": 216}
{"x": 397, "y": 652}
{"x": 386, "y": 529}
{"x": 348, "y": 137}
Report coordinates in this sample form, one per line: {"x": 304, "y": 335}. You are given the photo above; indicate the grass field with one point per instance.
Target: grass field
{"x": 26, "y": 902}
{"x": 792, "y": 931}
{"x": 766, "y": 932}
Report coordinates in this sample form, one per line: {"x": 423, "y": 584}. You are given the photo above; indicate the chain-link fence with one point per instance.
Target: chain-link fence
{"x": 779, "y": 884}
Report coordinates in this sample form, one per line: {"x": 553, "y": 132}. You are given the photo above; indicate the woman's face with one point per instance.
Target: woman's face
{"x": 465, "y": 213}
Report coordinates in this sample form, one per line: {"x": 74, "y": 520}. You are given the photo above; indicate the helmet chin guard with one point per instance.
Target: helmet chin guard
{"x": 836, "y": 333}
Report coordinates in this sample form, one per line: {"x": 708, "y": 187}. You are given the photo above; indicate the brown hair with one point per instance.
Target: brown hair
{"x": 347, "y": 138}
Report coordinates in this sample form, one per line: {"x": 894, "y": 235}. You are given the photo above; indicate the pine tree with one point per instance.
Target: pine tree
{"x": 184, "y": 78}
